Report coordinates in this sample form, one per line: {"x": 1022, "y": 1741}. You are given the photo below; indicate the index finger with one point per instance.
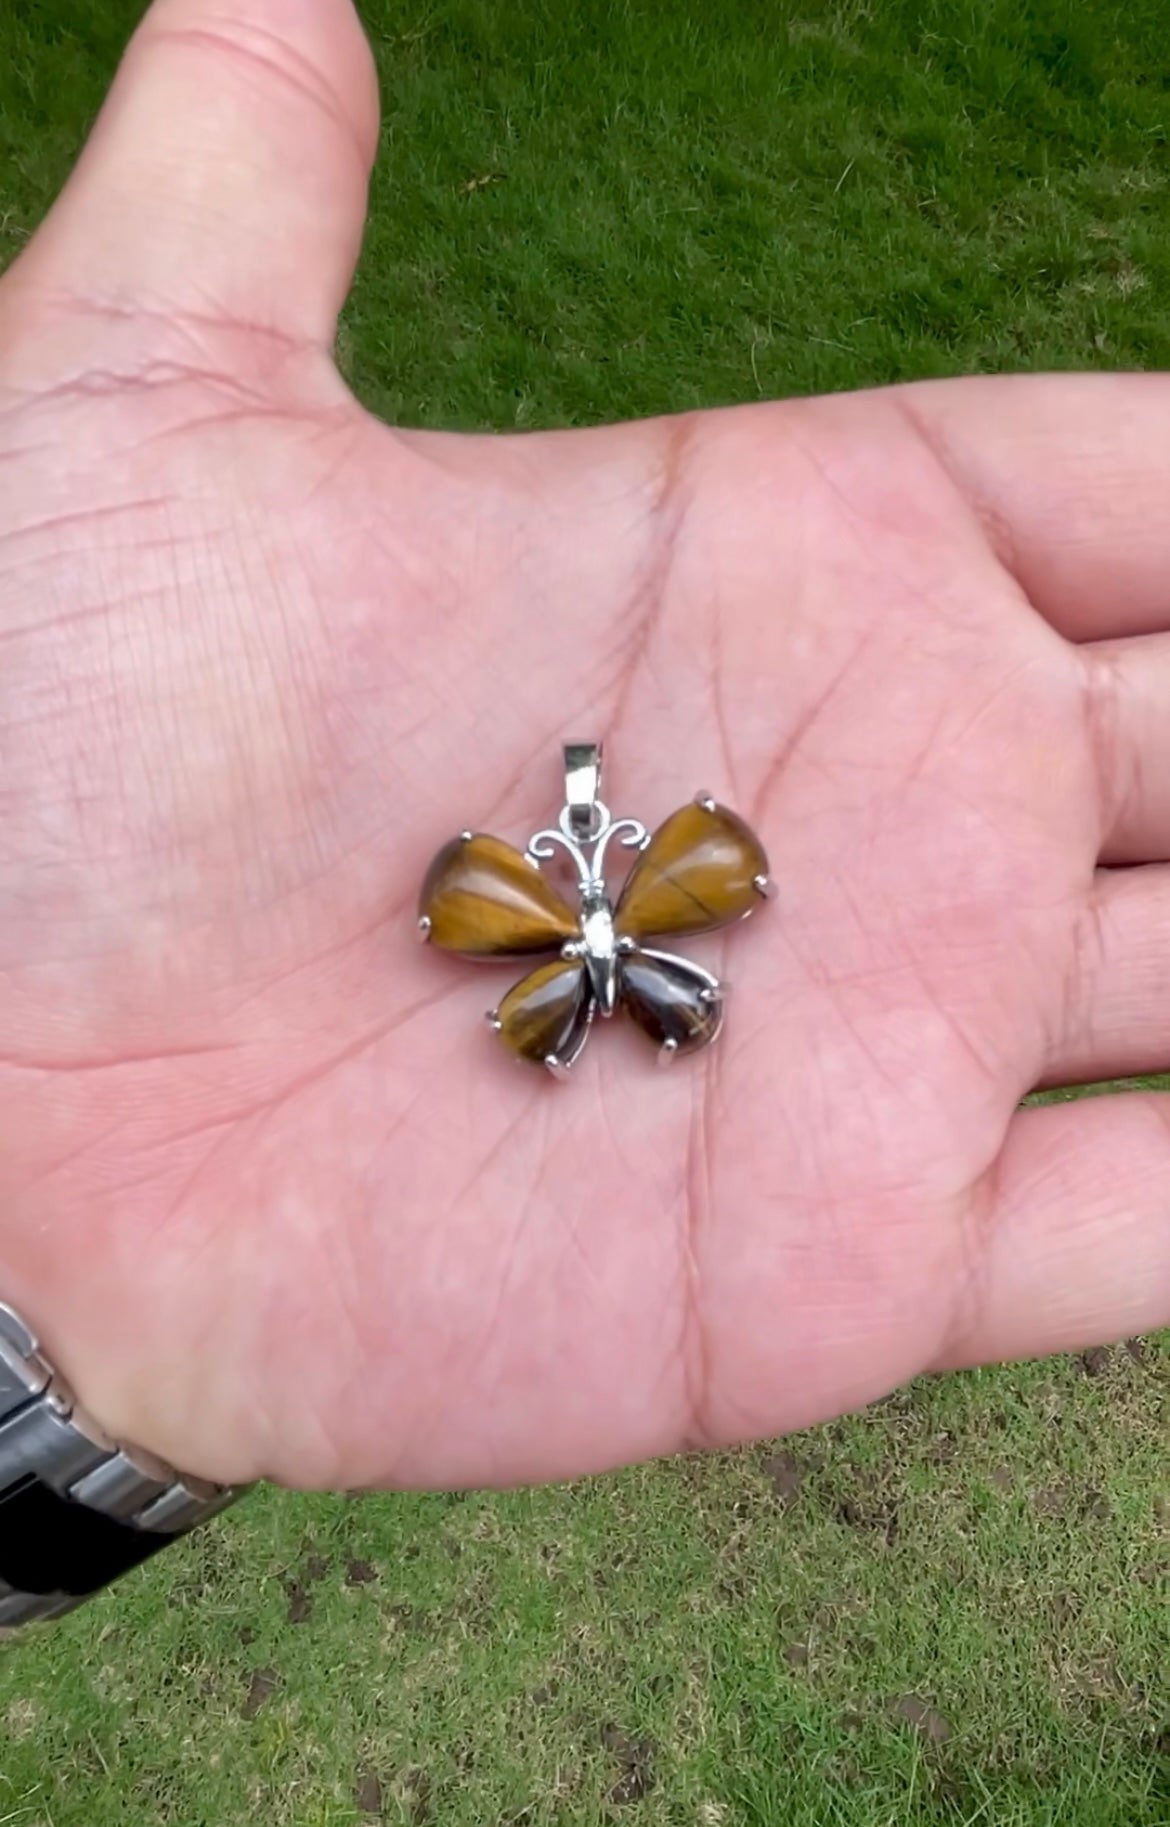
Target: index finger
{"x": 1071, "y": 476}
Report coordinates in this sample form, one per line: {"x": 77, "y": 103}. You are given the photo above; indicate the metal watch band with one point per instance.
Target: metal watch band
{"x": 76, "y": 1508}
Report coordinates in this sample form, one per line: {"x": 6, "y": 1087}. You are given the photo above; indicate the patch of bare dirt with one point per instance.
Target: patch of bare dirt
{"x": 925, "y": 1719}
{"x": 635, "y": 1760}
{"x": 262, "y": 1684}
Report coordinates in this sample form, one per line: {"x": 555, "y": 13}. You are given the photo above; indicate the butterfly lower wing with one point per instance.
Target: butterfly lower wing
{"x": 545, "y": 1018}
{"x": 677, "y": 1004}
{"x": 703, "y": 868}
{"x": 484, "y": 899}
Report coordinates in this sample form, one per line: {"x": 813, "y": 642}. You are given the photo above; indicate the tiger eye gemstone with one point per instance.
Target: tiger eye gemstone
{"x": 668, "y": 1000}
{"x": 547, "y": 1013}
{"x": 698, "y": 873}
{"x": 482, "y": 898}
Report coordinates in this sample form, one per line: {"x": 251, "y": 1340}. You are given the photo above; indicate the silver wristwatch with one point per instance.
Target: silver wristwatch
{"x": 76, "y": 1509}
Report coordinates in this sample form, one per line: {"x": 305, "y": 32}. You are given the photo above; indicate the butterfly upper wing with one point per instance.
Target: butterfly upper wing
{"x": 546, "y": 1016}
{"x": 484, "y": 899}
{"x": 699, "y": 871}
{"x": 676, "y": 1004}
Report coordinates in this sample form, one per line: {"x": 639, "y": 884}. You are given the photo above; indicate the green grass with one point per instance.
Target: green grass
{"x": 728, "y": 1640}
{"x": 952, "y": 1609}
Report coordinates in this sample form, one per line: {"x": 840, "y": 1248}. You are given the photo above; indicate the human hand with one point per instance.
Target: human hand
{"x": 275, "y": 1199}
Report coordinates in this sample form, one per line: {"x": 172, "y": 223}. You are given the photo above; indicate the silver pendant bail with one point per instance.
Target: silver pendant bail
{"x": 583, "y": 789}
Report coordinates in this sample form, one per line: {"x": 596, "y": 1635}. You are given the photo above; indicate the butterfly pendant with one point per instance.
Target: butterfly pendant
{"x": 702, "y": 869}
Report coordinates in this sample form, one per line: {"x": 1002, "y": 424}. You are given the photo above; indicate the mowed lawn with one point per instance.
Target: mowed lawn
{"x": 954, "y": 1608}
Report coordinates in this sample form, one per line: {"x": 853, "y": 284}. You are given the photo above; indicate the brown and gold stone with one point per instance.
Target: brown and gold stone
{"x": 482, "y": 898}
{"x": 547, "y": 1013}
{"x": 699, "y": 872}
{"x": 672, "y": 1003}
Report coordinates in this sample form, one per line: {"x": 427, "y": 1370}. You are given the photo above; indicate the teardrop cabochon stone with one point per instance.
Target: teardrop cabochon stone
{"x": 547, "y": 1014}
{"x": 698, "y": 872}
{"x": 484, "y": 899}
{"x": 673, "y": 1002}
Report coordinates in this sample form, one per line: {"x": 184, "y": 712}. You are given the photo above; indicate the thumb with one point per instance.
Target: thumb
{"x": 226, "y": 176}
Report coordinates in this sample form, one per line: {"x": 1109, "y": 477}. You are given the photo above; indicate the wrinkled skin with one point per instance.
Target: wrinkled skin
{"x": 271, "y": 1192}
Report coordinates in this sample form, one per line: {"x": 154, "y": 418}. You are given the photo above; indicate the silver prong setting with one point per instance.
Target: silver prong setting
{"x": 484, "y": 907}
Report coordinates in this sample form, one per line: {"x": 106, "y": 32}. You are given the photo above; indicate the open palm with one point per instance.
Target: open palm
{"x": 270, "y": 1190}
